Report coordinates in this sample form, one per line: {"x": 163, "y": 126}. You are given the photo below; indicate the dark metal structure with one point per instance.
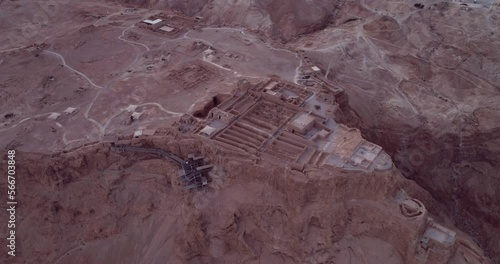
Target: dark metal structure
{"x": 194, "y": 172}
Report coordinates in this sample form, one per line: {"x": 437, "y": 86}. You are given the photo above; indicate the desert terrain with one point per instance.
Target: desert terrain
{"x": 334, "y": 131}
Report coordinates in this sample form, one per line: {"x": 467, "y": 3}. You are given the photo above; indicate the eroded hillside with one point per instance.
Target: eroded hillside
{"x": 420, "y": 79}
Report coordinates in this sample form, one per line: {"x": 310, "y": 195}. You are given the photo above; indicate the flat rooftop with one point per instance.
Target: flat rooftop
{"x": 303, "y": 121}
{"x": 152, "y": 22}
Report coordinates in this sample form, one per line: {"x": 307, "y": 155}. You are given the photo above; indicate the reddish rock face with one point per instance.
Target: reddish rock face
{"x": 276, "y": 18}
{"x": 104, "y": 201}
{"x": 419, "y": 79}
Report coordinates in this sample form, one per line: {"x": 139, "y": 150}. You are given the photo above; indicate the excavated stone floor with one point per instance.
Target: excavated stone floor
{"x": 419, "y": 80}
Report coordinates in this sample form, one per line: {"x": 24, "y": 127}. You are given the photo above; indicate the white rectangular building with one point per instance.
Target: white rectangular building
{"x": 152, "y": 22}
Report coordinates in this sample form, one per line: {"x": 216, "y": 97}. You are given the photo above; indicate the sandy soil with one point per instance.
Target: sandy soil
{"x": 418, "y": 79}
{"x": 422, "y": 82}
{"x": 97, "y": 206}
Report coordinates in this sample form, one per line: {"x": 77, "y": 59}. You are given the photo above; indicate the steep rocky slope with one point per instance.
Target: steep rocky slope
{"x": 423, "y": 81}
{"x": 276, "y": 18}
{"x": 424, "y": 84}
{"x": 93, "y": 205}
{"x": 422, "y": 77}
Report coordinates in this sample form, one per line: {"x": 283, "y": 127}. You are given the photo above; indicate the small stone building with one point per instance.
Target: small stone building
{"x": 302, "y": 123}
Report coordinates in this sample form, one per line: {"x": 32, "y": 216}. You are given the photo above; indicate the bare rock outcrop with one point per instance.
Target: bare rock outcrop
{"x": 92, "y": 205}
{"x": 423, "y": 84}
{"x": 275, "y": 18}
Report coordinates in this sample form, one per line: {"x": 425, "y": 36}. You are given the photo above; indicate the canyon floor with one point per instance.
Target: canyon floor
{"x": 399, "y": 163}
